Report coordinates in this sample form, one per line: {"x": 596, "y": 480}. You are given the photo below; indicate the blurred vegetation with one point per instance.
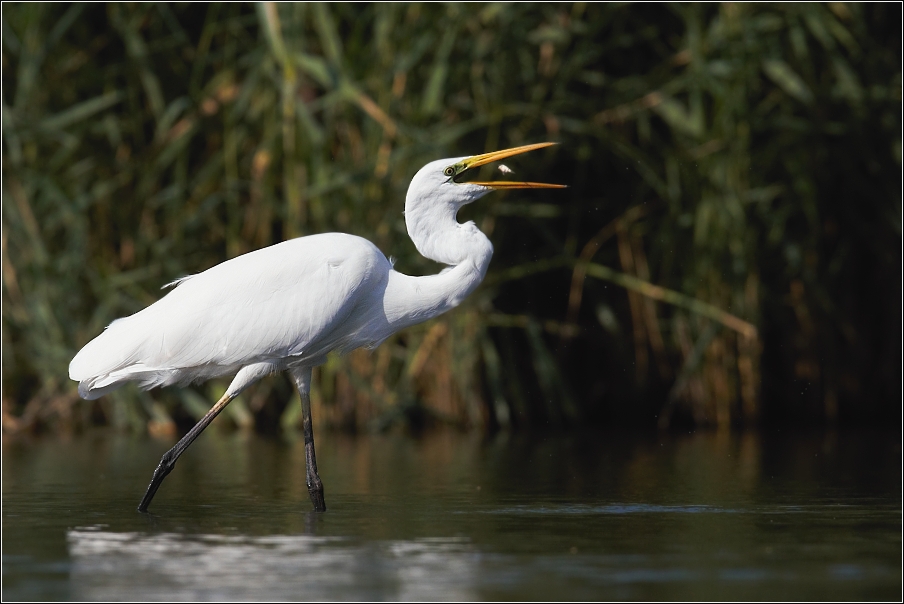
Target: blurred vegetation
{"x": 728, "y": 252}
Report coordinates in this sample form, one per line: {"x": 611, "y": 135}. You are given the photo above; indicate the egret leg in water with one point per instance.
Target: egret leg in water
{"x": 302, "y": 378}
{"x": 287, "y": 306}
{"x": 168, "y": 461}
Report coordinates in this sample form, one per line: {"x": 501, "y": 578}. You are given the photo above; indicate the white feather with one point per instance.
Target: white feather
{"x": 292, "y": 303}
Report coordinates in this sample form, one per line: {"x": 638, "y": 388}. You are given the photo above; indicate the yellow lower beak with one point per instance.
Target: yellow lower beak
{"x": 480, "y": 160}
{"x": 508, "y": 184}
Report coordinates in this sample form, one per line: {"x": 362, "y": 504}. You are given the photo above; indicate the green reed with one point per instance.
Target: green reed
{"x": 719, "y": 257}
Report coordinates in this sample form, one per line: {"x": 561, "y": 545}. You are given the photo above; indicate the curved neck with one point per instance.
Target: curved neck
{"x": 438, "y": 236}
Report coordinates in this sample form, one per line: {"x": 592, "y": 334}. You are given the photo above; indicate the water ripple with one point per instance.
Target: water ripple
{"x": 613, "y": 509}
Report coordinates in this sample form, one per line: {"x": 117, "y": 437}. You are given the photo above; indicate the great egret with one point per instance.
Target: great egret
{"x": 285, "y": 307}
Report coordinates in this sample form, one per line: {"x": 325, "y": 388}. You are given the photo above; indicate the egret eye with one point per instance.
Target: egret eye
{"x": 449, "y": 171}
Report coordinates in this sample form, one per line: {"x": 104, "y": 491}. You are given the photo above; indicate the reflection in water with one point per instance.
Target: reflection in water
{"x": 281, "y": 567}
{"x": 598, "y": 516}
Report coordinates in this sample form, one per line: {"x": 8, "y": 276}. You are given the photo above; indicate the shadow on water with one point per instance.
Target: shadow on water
{"x": 457, "y": 517}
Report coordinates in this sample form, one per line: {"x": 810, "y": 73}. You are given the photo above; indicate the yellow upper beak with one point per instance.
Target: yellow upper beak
{"x": 480, "y": 160}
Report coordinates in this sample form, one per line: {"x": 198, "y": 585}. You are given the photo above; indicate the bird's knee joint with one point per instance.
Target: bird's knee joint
{"x": 167, "y": 462}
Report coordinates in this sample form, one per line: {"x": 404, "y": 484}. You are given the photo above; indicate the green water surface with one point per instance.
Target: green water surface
{"x": 448, "y": 516}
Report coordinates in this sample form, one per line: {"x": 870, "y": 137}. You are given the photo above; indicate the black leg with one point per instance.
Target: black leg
{"x": 168, "y": 461}
{"x": 315, "y": 486}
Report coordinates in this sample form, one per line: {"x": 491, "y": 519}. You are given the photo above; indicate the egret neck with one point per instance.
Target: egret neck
{"x": 437, "y": 235}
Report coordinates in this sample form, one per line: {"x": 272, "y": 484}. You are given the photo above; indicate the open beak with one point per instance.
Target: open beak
{"x": 480, "y": 160}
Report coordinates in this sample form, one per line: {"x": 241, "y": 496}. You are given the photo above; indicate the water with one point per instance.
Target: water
{"x": 457, "y": 517}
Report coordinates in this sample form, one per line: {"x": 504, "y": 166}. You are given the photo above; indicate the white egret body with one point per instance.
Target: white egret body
{"x": 285, "y": 307}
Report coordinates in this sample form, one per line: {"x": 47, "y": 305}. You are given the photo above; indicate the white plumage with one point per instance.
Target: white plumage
{"x": 290, "y": 304}
{"x": 281, "y": 305}
{"x": 285, "y": 307}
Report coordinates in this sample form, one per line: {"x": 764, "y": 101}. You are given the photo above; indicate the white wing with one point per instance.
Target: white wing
{"x": 293, "y": 301}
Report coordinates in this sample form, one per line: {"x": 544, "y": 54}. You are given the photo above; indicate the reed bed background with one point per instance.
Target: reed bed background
{"x": 728, "y": 252}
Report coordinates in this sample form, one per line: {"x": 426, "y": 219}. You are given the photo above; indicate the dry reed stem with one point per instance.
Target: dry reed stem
{"x": 649, "y": 310}
{"x": 635, "y": 305}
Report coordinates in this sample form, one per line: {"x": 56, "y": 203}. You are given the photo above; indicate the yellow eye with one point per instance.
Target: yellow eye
{"x": 449, "y": 171}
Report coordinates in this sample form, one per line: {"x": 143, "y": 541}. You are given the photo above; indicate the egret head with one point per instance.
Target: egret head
{"x": 439, "y": 190}
{"x": 441, "y": 182}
